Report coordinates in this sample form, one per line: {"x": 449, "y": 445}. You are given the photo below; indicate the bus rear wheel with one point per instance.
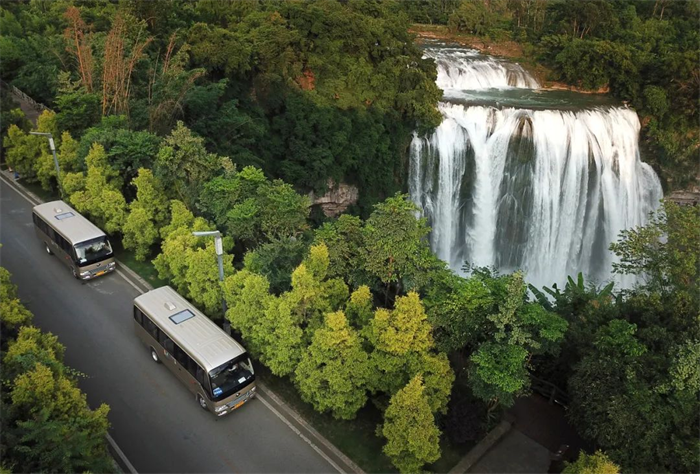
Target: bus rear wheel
{"x": 154, "y": 356}
{"x": 202, "y": 402}
{"x": 48, "y": 250}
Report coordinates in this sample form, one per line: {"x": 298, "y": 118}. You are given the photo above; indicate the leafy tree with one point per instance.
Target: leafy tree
{"x": 183, "y": 164}
{"x": 516, "y": 332}
{"x": 55, "y": 428}
{"x": 394, "y": 243}
{"x": 139, "y": 233}
{"x": 127, "y": 150}
{"x": 68, "y": 154}
{"x": 498, "y": 373}
{"x": 409, "y": 427}
{"x": 401, "y": 347}
{"x": 13, "y": 314}
{"x": 666, "y": 251}
{"x": 29, "y": 155}
{"x": 253, "y": 209}
{"x": 333, "y": 372}
{"x": 280, "y": 336}
{"x": 457, "y": 309}
{"x": 277, "y": 260}
{"x": 313, "y": 294}
{"x": 203, "y": 276}
{"x": 247, "y": 297}
{"x": 46, "y": 423}
{"x": 345, "y": 241}
{"x": 638, "y": 404}
{"x": 189, "y": 262}
{"x": 32, "y": 347}
{"x": 596, "y": 463}
{"x": 100, "y": 196}
{"x": 147, "y": 215}
{"x": 79, "y": 108}
{"x": 359, "y": 307}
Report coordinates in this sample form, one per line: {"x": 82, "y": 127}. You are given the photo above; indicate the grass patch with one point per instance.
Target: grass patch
{"x": 355, "y": 438}
{"x": 144, "y": 269}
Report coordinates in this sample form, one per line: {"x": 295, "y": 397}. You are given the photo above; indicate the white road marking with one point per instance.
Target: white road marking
{"x": 18, "y": 191}
{"x": 128, "y": 280}
{"x": 299, "y": 433}
{"x": 121, "y": 455}
{"x": 264, "y": 402}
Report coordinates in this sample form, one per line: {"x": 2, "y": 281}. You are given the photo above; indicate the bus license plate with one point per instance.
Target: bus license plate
{"x": 238, "y": 404}
{"x": 100, "y": 273}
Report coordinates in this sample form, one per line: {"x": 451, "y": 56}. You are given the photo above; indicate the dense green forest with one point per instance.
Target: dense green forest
{"x": 47, "y": 425}
{"x": 305, "y": 91}
{"x": 179, "y": 116}
{"x": 645, "y": 51}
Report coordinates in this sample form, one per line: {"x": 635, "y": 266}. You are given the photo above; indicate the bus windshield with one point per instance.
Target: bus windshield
{"x": 92, "y": 251}
{"x": 227, "y": 378}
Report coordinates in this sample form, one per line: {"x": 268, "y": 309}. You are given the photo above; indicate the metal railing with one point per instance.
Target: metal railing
{"x": 550, "y": 391}
{"x": 22, "y": 96}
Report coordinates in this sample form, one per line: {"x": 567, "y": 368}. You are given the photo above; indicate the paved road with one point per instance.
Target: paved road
{"x": 155, "y": 420}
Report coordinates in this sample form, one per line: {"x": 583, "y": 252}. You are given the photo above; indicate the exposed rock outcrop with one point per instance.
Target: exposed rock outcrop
{"x": 337, "y": 199}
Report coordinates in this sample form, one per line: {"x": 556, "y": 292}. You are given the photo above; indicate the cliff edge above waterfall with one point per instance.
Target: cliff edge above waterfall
{"x": 506, "y": 49}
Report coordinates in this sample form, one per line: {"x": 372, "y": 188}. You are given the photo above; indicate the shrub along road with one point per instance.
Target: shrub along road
{"x": 155, "y": 419}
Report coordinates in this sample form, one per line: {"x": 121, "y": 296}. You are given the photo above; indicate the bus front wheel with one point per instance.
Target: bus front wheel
{"x": 201, "y": 402}
{"x": 154, "y": 356}
{"x": 48, "y": 250}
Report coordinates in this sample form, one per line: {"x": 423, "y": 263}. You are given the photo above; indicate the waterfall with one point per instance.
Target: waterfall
{"x": 464, "y": 69}
{"x": 545, "y": 191}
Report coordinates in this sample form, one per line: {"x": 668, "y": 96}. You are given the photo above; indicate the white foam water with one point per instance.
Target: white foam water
{"x": 545, "y": 191}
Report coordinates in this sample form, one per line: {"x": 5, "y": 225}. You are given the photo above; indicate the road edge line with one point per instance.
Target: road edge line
{"x": 120, "y": 454}
{"x": 300, "y": 434}
{"x": 299, "y": 419}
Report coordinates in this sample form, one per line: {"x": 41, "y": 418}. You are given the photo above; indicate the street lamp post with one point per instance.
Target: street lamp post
{"x": 52, "y": 145}
{"x": 219, "y": 247}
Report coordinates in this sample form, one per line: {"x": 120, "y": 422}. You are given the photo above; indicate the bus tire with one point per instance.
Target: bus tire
{"x": 75, "y": 273}
{"x": 202, "y": 403}
{"x": 48, "y": 249}
{"x": 154, "y": 356}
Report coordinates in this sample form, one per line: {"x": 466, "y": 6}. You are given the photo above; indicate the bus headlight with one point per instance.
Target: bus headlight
{"x": 82, "y": 274}
{"x": 220, "y": 409}
{"x": 112, "y": 265}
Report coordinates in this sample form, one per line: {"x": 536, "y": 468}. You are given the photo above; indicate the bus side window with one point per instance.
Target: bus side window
{"x": 151, "y": 328}
{"x": 138, "y": 315}
{"x": 201, "y": 377}
{"x": 181, "y": 356}
{"x": 168, "y": 344}
{"x": 68, "y": 248}
{"x": 192, "y": 367}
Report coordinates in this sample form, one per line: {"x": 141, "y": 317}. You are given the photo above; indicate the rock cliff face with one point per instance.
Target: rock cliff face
{"x": 338, "y": 198}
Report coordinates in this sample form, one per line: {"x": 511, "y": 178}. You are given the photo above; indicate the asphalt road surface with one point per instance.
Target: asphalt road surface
{"x": 155, "y": 420}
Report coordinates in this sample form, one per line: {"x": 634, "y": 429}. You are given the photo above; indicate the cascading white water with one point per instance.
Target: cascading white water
{"x": 464, "y": 69}
{"x": 544, "y": 191}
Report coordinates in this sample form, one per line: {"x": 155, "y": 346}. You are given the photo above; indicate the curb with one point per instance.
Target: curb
{"x": 319, "y": 437}
{"x": 478, "y": 451}
{"x": 135, "y": 276}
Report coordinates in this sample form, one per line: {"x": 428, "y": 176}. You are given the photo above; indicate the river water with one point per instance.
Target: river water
{"x": 516, "y": 177}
